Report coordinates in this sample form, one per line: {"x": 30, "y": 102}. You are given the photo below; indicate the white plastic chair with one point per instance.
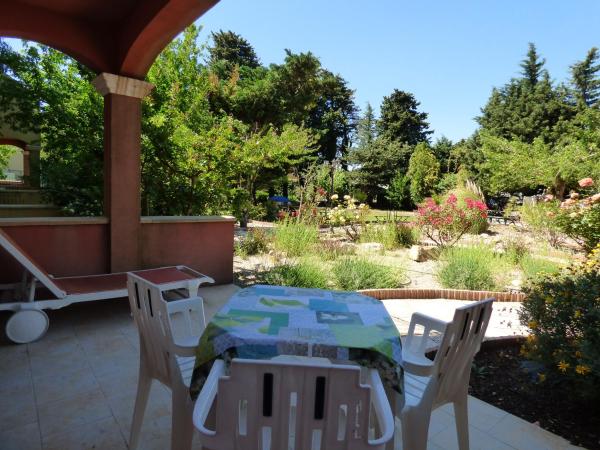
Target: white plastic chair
{"x": 431, "y": 384}
{"x": 294, "y": 405}
{"x": 165, "y": 355}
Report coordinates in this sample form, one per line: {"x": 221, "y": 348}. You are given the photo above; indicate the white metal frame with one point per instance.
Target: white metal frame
{"x": 348, "y": 405}
{"x": 430, "y": 384}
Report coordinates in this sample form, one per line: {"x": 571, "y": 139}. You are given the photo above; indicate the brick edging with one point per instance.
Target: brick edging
{"x": 448, "y": 294}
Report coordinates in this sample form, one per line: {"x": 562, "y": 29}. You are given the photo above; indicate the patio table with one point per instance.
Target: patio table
{"x": 262, "y": 322}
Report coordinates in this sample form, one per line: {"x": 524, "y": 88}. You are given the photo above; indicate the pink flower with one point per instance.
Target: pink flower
{"x": 586, "y": 182}
{"x": 548, "y": 197}
{"x": 451, "y": 199}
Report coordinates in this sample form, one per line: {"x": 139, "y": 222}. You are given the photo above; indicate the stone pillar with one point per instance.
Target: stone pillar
{"x": 122, "y": 142}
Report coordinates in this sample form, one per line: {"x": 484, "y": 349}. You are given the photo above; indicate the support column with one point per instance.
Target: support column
{"x": 122, "y": 142}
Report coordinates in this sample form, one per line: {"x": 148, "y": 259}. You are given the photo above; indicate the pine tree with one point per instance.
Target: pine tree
{"x": 532, "y": 66}
{"x": 400, "y": 119}
{"x": 585, "y": 80}
{"x": 367, "y": 130}
{"x": 233, "y": 48}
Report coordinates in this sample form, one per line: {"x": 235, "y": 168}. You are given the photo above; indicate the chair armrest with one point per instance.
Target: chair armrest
{"x": 207, "y": 397}
{"x": 430, "y": 323}
{"x": 382, "y": 408}
{"x": 181, "y": 305}
{"x": 413, "y": 353}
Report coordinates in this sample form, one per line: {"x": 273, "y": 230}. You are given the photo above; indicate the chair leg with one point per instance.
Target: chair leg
{"x": 141, "y": 400}
{"x": 182, "y": 429}
{"x": 461, "y": 415}
{"x": 415, "y": 425}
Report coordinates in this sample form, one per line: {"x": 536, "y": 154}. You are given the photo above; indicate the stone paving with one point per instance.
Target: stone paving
{"x": 75, "y": 388}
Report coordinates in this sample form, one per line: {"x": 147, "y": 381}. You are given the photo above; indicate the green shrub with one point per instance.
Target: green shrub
{"x": 352, "y": 274}
{"x": 256, "y": 241}
{"x": 406, "y": 235}
{"x": 305, "y": 274}
{"x": 582, "y": 224}
{"x": 533, "y": 268}
{"x": 384, "y": 234}
{"x": 469, "y": 268}
{"x": 562, "y": 312}
{"x": 515, "y": 250}
{"x": 295, "y": 238}
{"x": 541, "y": 218}
{"x": 330, "y": 250}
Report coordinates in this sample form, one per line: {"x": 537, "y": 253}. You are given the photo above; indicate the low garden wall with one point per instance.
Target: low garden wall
{"x": 447, "y": 294}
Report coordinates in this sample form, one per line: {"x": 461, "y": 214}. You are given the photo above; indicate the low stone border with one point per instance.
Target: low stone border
{"x": 448, "y": 294}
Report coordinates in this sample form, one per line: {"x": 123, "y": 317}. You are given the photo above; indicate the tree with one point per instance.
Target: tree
{"x": 532, "y": 66}
{"x": 585, "y": 80}
{"x": 376, "y": 165}
{"x": 423, "y": 172}
{"x": 401, "y": 121}
{"x": 233, "y": 49}
{"x": 399, "y": 191}
{"x": 366, "y": 128}
{"x": 442, "y": 150}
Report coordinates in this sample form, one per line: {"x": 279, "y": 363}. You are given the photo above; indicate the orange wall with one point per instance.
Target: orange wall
{"x": 204, "y": 246}
{"x": 82, "y": 249}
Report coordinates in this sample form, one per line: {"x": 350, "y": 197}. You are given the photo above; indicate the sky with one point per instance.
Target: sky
{"x": 449, "y": 54}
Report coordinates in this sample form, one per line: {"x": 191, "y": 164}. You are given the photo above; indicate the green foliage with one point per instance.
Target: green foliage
{"x": 401, "y": 121}
{"x": 541, "y": 219}
{"x": 233, "y": 49}
{"x": 563, "y": 315}
{"x": 391, "y": 235}
{"x": 6, "y": 151}
{"x": 584, "y": 79}
{"x": 423, "y": 172}
{"x": 469, "y": 268}
{"x": 330, "y": 250}
{"x": 533, "y": 267}
{"x": 532, "y": 66}
{"x": 581, "y": 224}
{"x": 515, "y": 251}
{"x": 303, "y": 274}
{"x": 352, "y": 274}
{"x": 295, "y": 238}
{"x": 442, "y": 149}
{"x": 255, "y": 242}
{"x": 399, "y": 191}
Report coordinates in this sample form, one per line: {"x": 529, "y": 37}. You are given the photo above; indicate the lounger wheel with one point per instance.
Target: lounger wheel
{"x": 27, "y": 325}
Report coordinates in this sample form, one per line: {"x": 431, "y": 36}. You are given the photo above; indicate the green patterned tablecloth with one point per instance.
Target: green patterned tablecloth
{"x": 262, "y": 322}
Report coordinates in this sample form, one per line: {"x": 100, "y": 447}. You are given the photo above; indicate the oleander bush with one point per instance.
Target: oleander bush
{"x": 352, "y": 274}
{"x": 295, "y": 238}
{"x": 562, "y": 312}
{"x": 302, "y": 273}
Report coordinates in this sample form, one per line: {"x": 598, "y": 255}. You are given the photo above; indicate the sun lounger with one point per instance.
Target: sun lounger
{"x": 38, "y": 290}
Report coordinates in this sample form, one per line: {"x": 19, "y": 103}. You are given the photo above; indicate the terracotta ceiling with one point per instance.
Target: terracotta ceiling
{"x": 116, "y": 36}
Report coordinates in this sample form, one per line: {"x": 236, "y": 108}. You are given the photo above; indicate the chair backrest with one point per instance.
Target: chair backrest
{"x": 152, "y": 320}
{"x": 23, "y": 258}
{"x": 460, "y": 343}
{"x": 271, "y": 405}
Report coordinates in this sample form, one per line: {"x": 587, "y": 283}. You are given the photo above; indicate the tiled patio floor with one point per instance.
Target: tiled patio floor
{"x": 75, "y": 389}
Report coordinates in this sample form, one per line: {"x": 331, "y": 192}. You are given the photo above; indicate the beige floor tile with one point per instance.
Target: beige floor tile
{"x": 100, "y": 435}
{"x": 57, "y": 387}
{"x": 124, "y": 360}
{"x": 524, "y": 435}
{"x": 118, "y": 384}
{"x": 484, "y": 416}
{"x": 58, "y": 364}
{"x": 14, "y": 378}
{"x": 17, "y": 407}
{"x": 71, "y": 412}
{"x": 106, "y": 345}
{"x": 478, "y": 440}
{"x": 159, "y": 406}
{"x": 50, "y": 346}
{"x": 22, "y": 438}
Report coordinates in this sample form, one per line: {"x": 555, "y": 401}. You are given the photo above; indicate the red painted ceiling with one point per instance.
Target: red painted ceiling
{"x": 116, "y": 36}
